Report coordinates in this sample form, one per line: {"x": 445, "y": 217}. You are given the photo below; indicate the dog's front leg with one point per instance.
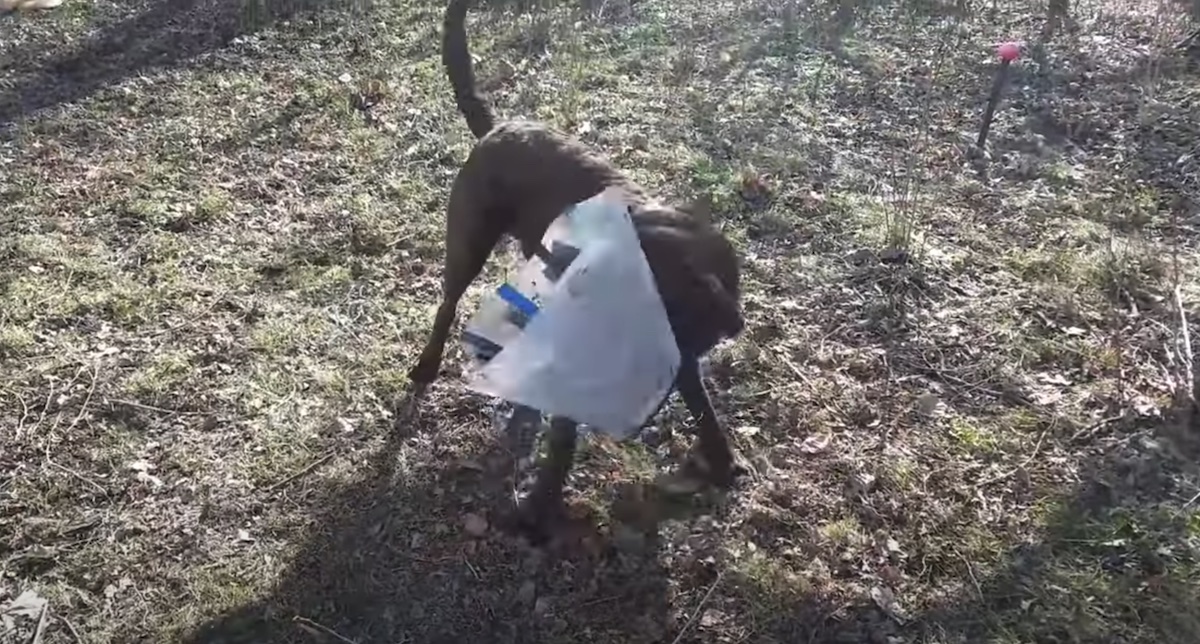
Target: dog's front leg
{"x": 718, "y": 463}
{"x": 544, "y": 503}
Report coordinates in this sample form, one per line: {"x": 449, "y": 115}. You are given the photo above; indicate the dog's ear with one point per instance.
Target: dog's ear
{"x": 724, "y": 305}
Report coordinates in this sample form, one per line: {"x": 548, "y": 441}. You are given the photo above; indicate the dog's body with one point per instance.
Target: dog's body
{"x": 520, "y": 177}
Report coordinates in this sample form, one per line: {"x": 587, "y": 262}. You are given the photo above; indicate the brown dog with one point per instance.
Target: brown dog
{"x": 520, "y": 177}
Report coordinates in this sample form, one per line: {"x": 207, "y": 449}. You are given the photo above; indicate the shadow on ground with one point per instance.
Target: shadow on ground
{"x": 1119, "y": 552}
{"x": 163, "y": 33}
{"x": 383, "y": 562}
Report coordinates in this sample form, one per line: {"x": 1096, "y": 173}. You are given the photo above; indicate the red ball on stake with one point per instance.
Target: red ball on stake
{"x": 1008, "y": 52}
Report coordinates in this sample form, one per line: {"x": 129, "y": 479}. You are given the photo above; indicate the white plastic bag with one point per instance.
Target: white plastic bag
{"x": 599, "y": 349}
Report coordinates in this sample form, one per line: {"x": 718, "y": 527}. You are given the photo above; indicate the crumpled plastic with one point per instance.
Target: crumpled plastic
{"x": 600, "y": 349}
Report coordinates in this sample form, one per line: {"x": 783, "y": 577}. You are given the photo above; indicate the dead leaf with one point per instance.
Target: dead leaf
{"x": 886, "y": 600}
{"x": 748, "y": 431}
{"x": 927, "y": 404}
{"x": 27, "y": 604}
{"x": 141, "y": 466}
{"x": 1054, "y": 379}
{"x": 475, "y": 525}
{"x": 862, "y": 483}
{"x": 471, "y": 464}
{"x": 527, "y": 592}
{"x": 1046, "y": 396}
{"x": 816, "y": 443}
{"x": 146, "y": 477}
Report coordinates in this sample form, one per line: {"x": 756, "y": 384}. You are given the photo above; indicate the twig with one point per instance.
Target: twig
{"x": 1189, "y": 359}
{"x": 71, "y": 627}
{"x": 24, "y": 413}
{"x": 99, "y": 488}
{"x": 796, "y": 370}
{"x": 194, "y": 319}
{"x": 161, "y": 410}
{"x": 304, "y": 621}
{"x": 40, "y": 631}
{"x": 699, "y": 609}
{"x": 1087, "y": 432}
{"x": 87, "y": 400}
{"x": 598, "y": 602}
{"x": 304, "y": 470}
{"x": 474, "y": 571}
{"x": 1028, "y": 459}
{"x": 971, "y": 573}
{"x": 1183, "y": 508}
{"x": 45, "y": 406}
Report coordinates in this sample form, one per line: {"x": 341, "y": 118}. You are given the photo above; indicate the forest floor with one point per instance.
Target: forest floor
{"x": 221, "y": 230}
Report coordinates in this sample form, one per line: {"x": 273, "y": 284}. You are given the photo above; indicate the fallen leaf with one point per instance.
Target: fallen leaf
{"x": 862, "y": 482}
{"x": 927, "y": 404}
{"x": 146, "y": 477}
{"x": 27, "y": 604}
{"x": 475, "y": 525}
{"x": 1046, "y": 396}
{"x": 470, "y": 464}
{"x": 816, "y": 443}
{"x": 886, "y": 600}
{"x": 141, "y": 466}
{"x": 1054, "y": 379}
{"x": 527, "y": 593}
{"x": 748, "y": 430}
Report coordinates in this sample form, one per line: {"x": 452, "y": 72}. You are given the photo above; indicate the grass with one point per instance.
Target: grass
{"x": 220, "y": 246}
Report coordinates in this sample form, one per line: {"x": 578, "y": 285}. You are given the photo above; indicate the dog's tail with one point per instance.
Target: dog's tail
{"x": 457, "y": 59}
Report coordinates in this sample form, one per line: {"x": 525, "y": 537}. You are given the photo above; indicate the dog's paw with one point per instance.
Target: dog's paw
{"x": 539, "y": 519}
{"x": 698, "y": 470}
{"x": 408, "y": 407}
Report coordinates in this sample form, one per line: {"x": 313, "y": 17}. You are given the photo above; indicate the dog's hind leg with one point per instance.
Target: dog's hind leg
{"x": 718, "y": 463}
{"x": 470, "y": 237}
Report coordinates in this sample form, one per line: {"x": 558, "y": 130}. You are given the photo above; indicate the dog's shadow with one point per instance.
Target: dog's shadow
{"x": 398, "y": 554}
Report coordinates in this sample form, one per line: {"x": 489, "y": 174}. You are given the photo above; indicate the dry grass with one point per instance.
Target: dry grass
{"x": 220, "y": 235}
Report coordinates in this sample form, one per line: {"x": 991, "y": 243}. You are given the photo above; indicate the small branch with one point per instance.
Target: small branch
{"x": 1090, "y": 430}
{"x": 305, "y": 470}
{"x": 161, "y": 410}
{"x": 1189, "y": 358}
{"x": 71, "y": 627}
{"x": 304, "y": 621}
{"x": 86, "y": 401}
{"x": 40, "y": 631}
{"x": 699, "y": 609}
{"x": 1187, "y": 505}
{"x": 1028, "y": 459}
{"x": 971, "y": 573}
